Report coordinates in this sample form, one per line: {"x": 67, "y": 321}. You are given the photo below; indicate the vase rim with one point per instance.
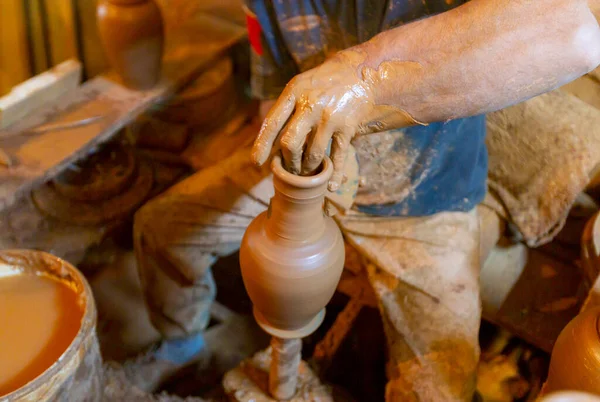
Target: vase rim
{"x": 316, "y": 180}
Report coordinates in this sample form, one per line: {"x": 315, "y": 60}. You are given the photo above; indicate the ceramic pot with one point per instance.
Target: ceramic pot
{"x": 292, "y": 255}
{"x": 132, "y": 36}
{"x": 206, "y": 102}
{"x": 590, "y": 257}
{"x": 575, "y": 361}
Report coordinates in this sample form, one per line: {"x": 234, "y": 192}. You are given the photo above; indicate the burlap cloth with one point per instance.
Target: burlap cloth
{"x": 541, "y": 154}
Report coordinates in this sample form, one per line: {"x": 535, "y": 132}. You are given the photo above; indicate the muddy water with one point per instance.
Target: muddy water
{"x": 39, "y": 317}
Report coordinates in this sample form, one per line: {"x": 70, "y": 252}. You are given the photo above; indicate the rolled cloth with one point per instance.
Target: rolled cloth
{"x": 541, "y": 154}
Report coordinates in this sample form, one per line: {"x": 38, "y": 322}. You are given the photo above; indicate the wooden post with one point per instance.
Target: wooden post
{"x": 285, "y": 360}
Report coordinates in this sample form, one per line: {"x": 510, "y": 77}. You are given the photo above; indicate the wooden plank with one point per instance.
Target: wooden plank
{"x": 37, "y": 151}
{"x": 326, "y": 349}
{"x": 535, "y": 292}
{"x": 542, "y": 298}
{"x": 62, "y": 132}
{"x": 36, "y": 91}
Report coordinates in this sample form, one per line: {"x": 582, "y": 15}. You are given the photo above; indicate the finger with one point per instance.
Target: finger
{"x": 275, "y": 149}
{"x": 339, "y": 149}
{"x": 294, "y": 138}
{"x": 317, "y": 147}
{"x": 276, "y": 118}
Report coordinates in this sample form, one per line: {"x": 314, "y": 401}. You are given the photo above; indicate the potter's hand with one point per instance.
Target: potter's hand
{"x": 334, "y": 101}
{"x": 499, "y": 53}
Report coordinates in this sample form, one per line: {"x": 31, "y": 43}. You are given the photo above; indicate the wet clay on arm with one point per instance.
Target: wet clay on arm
{"x": 476, "y": 58}
{"x": 481, "y": 57}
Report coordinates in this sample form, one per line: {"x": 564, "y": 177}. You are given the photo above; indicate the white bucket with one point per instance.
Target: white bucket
{"x": 77, "y": 374}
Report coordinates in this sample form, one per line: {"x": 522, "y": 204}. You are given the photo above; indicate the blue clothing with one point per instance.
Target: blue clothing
{"x": 444, "y": 165}
{"x": 181, "y": 350}
{"x": 453, "y": 157}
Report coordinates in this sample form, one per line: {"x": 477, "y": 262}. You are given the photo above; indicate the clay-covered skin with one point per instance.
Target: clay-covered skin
{"x": 476, "y": 58}
{"x": 335, "y": 100}
{"x": 292, "y": 255}
{"x": 575, "y": 361}
{"x": 132, "y": 37}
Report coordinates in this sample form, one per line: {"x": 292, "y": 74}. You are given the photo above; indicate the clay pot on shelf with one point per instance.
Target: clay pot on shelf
{"x": 206, "y": 102}
{"x": 132, "y": 36}
{"x": 292, "y": 255}
{"x": 575, "y": 361}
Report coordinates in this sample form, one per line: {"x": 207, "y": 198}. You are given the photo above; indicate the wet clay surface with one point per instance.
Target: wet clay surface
{"x": 337, "y": 102}
{"x": 40, "y": 317}
{"x": 292, "y": 255}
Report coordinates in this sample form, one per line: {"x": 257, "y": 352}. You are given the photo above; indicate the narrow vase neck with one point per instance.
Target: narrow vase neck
{"x": 295, "y": 219}
{"x": 296, "y": 209}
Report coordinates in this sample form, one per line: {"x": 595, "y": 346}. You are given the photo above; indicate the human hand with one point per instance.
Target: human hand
{"x": 332, "y": 102}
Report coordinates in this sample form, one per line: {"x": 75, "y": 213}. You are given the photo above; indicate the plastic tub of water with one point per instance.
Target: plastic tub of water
{"x": 48, "y": 345}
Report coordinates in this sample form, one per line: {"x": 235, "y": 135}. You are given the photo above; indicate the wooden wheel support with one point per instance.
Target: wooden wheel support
{"x": 283, "y": 373}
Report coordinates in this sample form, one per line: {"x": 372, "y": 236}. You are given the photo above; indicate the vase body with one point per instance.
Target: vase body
{"x": 292, "y": 255}
{"x": 132, "y": 36}
{"x": 575, "y": 361}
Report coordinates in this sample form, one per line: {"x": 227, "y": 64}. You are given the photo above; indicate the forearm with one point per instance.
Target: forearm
{"x": 480, "y": 57}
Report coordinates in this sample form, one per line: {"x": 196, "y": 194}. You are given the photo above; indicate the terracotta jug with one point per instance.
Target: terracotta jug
{"x": 575, "y": 361}
{"x": 292, "y": 255}
{"x": 132, "y": 36}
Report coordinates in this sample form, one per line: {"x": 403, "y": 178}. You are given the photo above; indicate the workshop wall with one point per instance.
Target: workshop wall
{"x": 38, "y": 34}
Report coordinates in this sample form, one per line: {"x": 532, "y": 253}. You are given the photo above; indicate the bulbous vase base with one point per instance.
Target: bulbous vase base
{"x": 301, "y": 332}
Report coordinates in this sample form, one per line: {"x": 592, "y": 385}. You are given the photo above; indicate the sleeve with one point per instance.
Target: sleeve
{"x": 272, "y": 66}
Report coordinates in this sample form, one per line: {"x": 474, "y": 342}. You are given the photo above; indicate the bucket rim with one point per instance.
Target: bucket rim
{"x": 86, "y": 329}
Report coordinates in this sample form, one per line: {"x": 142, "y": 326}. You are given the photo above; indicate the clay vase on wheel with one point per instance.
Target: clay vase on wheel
{"x": 575, "y": 361}
{"x": 132, "y": 36}
{"x": 292, "y": 255}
